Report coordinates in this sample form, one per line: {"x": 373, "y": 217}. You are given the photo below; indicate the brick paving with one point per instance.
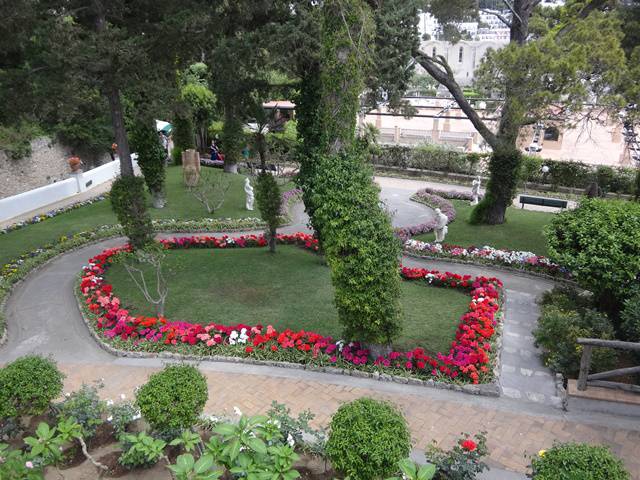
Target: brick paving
{"x": 512, "y": 435}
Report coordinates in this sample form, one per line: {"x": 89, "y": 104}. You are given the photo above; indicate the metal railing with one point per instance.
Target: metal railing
{"x": 596, "y": 379}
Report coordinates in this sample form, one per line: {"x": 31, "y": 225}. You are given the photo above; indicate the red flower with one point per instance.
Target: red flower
{"x": 468, "y": 445}
{"x": 248, "y": 349}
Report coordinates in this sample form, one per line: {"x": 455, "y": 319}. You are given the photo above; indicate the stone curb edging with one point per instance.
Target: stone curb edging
{"x": 504, "y": 268}
{"x": 491, "y": 389}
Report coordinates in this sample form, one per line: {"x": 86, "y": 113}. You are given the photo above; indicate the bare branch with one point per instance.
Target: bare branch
{"x": 513, "y": 10}
{"x": 501, "y": 17}
{"x": 440, "y": 70}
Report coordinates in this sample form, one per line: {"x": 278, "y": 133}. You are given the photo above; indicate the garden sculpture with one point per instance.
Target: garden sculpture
{"x": 475, "y": 190}
{"x": 249, "y": 191}
{"x": 441, "y": 226}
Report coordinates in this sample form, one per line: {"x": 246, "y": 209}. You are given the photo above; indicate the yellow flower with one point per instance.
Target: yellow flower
{"x": 541, "y": 453}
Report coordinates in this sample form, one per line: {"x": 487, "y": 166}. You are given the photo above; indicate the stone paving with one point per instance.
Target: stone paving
{"x": 43, "y": 318}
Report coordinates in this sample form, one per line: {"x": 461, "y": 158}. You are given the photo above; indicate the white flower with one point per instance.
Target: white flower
{"x": 237, "y": 411}
{"x": 109, "y": 402}
{"x": 290, "y": 440}
{"x": 67, "y": 394}
{"x": 122, "y": 396}
{"x": 137, "y": 416}
{"x": 109, "y": 418}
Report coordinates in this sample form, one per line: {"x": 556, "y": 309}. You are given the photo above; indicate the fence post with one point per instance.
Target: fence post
{"x": 585, "y": 363}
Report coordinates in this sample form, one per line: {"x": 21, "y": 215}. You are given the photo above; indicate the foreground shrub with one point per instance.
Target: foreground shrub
{"x": 463, "y": 461}
{"x": 572, "y": 461}
{"x": 599, "y": 242}
{"x": 28, "y": 385}
{"x": 173, "y": 399}
{"x": 557, "y": 332}
{"x": 128, "y": 203}
{"x": 85, "y": 407}
{"x": 367, "y": 439}
{"x": 140, "y": 450}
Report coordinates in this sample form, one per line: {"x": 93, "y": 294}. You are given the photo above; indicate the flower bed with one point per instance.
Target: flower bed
{"x": 450, "y": 194}
{"x": 50, "y": 214}
{"x": 433, "y": 201}
{"x": 470, "y": 359}
{"x": 514, "y": 259}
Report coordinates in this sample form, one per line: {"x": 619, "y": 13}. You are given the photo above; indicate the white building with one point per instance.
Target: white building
{"x": 463, "y": 57}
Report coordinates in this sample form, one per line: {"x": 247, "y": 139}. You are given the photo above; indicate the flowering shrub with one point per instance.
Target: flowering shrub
{"x": 566, "y": 461}
{"x": 468, "y": 360}
{"x": 463, "y": 461}
{"x": 516, "y": 259}
{"x": 451, "y": 194}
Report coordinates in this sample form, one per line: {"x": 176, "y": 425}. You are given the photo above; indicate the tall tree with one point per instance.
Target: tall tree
{"x": 552, "y": 74}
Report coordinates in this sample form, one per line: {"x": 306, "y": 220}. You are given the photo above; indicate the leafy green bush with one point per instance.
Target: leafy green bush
{"x": 270, "y": 204}
{"x": 557, "y": 332}
{"x": 599, "y": 242}
{"x": 28, "y": 385}
{"x": 173, "y": 398}
{"x": 463, "y": 461}
{"x": 140, "y": 450}
{"x": 572, "y": 461}
{"x": 367, "y": 439}
{"x": 151, "y": 156}
{"x": 128, "y": 203}
{"x": 360, "y": 248}
{"x": 428, "y": 157}
{"x": 15, "y": 141}
{"x": 85, "y": 407}
{"x": 630, "y": 318}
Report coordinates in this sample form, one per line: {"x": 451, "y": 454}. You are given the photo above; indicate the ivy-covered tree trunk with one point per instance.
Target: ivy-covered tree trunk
{"x": 357, "y": 235}
{"x": 119, "y": 130}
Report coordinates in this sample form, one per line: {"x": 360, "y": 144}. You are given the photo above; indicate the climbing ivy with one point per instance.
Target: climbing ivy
{"x": 151, "y": 156}
{"x": 128, "y": 203}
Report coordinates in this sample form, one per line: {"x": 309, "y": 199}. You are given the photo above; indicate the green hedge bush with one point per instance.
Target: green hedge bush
{"x": 28, "y": 385}
{"x": 129, "y": 204}
{"x": 151, "y": 156}
{"x": 360, "y": 248}
{"x": 429, "y": 157}
{"x": 630, "y": 318}
{"x": 183, "y": 136}
{"x": 565, "y": 317}
{"x": 367, "y": 439}
{"x": 269, "y": 203}
{"x": 599, "y": 242}
{"x": 573, "y": 461}
{"x": 173, "y": 398}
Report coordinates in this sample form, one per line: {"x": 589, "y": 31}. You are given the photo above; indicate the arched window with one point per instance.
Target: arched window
{"x": 433, "y": 52}
{"x": 460, "y": 52}
{"x": 551, "y": 134}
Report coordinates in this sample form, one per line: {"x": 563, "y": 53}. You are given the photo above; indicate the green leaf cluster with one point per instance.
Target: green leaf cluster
{"x": 367, "y": 439}
{"x": 140, "y": 450}
{"x": 173, "y": 398}
{"x": 28, "y": 385}
{"x": 569, "y": 461}
{"x": 85, "y": 407}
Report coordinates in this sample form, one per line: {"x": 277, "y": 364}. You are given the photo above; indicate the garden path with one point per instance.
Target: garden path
{"x": 43, "y": 318}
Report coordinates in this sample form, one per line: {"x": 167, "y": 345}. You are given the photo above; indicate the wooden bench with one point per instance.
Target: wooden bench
{"x": 542, "y": 201}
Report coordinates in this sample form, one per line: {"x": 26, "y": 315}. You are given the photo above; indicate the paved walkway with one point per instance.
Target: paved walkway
{"x": 43, "y": 318}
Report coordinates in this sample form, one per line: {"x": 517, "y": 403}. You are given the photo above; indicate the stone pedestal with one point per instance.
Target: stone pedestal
{"x": 190, "y": 167}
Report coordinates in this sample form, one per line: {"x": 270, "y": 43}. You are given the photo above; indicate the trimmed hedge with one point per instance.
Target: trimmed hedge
{"x": 573, "y": 461}
{"x": 128, "y": 203}
{"x": 151, "y": 156}
{"x": 572, "y": 174}
{"x": 367, "y": 439}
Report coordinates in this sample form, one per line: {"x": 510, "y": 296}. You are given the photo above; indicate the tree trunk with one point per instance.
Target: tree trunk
{"x": 158, "y": 199}
{"x": 261, "y": 144}
{"x": 119, "y": 130}
{"x": 231, "y": 138}
{"x": 272, "y": 240}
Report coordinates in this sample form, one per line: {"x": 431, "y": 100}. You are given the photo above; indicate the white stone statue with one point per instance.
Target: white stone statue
{"x": 475, "y": 190}
{"x": 248, "y": 189}
{"x": 441, "y": 228}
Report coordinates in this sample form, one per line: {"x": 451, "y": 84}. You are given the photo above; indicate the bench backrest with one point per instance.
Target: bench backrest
{"x": 543, "y": 201}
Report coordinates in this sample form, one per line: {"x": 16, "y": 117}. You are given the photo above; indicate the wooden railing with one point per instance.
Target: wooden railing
{"x": 596, "y": 379}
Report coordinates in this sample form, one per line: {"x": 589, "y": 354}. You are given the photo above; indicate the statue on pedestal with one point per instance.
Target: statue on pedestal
{"x": 248, "y": 189}
{"x": 475, "y": 190}
{"x": 441, "y": 228}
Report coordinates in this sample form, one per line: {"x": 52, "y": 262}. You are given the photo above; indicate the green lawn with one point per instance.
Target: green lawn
{"x": 180, "y": 204}
{"x": 522, "y": 230}
{"x": 289, "y": 289}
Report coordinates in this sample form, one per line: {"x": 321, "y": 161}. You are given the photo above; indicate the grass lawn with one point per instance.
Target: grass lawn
{"x": 522, "y": 230}
{"x": 291, "y": 289}
{"x": 180, "y": 204}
